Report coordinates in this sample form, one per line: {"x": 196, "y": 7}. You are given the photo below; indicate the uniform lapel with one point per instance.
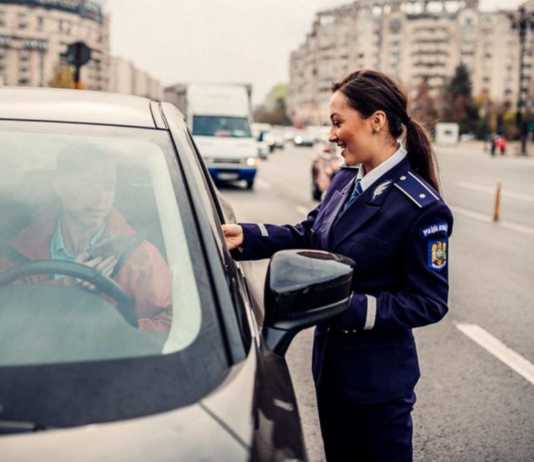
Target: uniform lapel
{"x": 338, "y": 201}
{"x": 366, "y": 206}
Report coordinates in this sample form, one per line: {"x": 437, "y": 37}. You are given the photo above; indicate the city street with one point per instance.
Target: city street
{"x": 476, "y": 394}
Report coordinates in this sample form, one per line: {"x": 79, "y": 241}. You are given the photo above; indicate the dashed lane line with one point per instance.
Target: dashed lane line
{"x": 493, "y": 345}
{"x": 486, "y": 219}
{"x": 490, "y": 190}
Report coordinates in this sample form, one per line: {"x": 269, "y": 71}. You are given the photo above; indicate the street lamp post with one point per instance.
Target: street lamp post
{"x": 522, "y": 22}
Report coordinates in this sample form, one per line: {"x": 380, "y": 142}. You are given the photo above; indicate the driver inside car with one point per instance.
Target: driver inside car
{"x": 83, "y": 226}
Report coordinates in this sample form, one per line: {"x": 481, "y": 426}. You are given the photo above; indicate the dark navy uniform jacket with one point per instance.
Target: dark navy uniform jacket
{"x": 397, "y": 233}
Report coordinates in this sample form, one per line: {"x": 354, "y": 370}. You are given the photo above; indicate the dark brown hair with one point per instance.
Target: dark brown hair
{"x": 370, "y": 91}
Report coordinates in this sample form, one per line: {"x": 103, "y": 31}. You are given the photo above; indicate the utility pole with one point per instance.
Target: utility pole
{"x": 522, "y": 22}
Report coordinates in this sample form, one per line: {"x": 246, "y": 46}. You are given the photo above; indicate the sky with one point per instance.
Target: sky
{"x": 218, "y": 40}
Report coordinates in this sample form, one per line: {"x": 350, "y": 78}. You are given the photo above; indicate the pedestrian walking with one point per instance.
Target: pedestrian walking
{"x": 493, "y": 144}
{"x": 387, "y": 215}
{"x": 500, "y": 143}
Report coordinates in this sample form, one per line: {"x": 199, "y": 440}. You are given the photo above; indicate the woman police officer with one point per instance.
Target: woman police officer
{"x": 387, "y": 216}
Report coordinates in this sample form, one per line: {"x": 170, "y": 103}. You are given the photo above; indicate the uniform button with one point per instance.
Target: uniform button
{"x": 403, "y": 178}
{"x": 422, "y": 196}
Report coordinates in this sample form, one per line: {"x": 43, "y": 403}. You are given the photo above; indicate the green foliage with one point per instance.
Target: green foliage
{"x": 274, "y": 110}
{"x": 459, "y": 105}
{"x": 460, "y": 83}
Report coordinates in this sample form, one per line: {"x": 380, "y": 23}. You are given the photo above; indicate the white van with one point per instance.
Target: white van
{"x": 220, "y": 120}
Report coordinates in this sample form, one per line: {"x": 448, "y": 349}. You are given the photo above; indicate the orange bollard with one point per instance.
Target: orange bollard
{"x": 497, "y": 211}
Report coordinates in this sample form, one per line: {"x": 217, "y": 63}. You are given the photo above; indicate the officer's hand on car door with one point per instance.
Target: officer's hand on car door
{"x": 233, "y": 236}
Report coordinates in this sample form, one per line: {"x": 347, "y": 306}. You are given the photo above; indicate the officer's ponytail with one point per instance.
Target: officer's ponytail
{"x": 420, "y": 152}
{"x": 370, "y": 91}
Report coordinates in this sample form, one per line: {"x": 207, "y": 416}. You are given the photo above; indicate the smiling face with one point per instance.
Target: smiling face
{"x": 350, "y": 131}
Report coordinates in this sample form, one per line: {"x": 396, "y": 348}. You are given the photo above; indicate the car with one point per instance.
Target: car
{"x": 324, "y": 167}
{"x": 303, "y": 138}
{"x": 151, "y": 346}
{"x": 264, "y": 148}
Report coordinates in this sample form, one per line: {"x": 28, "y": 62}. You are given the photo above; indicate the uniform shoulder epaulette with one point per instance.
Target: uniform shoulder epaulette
{"x": 417, "y": 190}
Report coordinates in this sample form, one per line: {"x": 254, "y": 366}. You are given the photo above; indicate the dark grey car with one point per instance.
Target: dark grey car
{"x": 163, "y": 354}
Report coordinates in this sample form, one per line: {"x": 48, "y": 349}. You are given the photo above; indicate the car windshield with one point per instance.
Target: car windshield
{"x": 96, "y": 268}
{"x": 232, "y": 127}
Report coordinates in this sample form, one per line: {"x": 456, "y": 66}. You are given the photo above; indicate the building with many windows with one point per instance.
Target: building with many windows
{"x": 410, "y": 40}
{"x": 35, "y": 33}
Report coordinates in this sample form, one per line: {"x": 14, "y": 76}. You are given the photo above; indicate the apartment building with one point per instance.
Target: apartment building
{"x": 410, "y": 40}
{"x": 34, "y": 33}
{"x": 128, "y": 79}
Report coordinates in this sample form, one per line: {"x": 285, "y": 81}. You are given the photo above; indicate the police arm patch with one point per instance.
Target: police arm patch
{"x": 437, "y": 253}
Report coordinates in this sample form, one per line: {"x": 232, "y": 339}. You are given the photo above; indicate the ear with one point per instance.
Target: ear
{"x": 378, "y": 121}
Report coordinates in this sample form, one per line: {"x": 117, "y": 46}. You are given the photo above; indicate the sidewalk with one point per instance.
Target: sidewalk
{"x": 475, "y": 146}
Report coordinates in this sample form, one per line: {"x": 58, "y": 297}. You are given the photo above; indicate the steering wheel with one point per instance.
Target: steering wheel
{"x": 125, "y": 304}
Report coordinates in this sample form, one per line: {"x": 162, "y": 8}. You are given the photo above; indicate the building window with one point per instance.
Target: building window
{"x": 40, "y": 23}
{"x": 22, "y": 21}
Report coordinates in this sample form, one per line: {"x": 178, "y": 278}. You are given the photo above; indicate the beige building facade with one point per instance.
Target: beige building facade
{"x": 410, "y": 40}
{"x": 34, "y": 34}
{"x": 128, "y": 79}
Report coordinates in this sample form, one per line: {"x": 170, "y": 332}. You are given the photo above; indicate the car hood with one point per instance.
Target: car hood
{"x": 226, "y": 148}
{"x": 219, "y": 428}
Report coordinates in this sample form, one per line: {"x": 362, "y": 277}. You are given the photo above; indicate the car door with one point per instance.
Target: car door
{"x": 277, "y": 426}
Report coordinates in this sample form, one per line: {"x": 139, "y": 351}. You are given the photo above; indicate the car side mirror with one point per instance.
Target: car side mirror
{"x": 303, "y": 288}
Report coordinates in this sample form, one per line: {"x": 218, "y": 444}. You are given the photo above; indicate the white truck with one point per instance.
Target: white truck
{"x": 219, "y": 117}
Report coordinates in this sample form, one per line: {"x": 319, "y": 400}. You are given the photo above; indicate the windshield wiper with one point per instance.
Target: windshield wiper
{"x": 12, "y": 426}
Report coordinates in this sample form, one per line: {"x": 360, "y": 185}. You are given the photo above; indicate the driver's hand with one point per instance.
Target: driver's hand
{"x": 233, "y": 236}
{"x": 103, "y": 265}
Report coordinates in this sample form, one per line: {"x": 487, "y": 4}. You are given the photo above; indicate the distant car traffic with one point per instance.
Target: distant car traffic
{"x": 303, "y": 138}
{"x": 151, "y": 346}
{"x": 324, "y": 167}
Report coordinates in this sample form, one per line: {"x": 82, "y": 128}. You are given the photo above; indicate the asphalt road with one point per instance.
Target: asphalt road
{"x": 476, "y": 394}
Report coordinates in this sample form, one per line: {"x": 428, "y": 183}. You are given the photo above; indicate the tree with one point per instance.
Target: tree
{"x": 423, "y": 107}
{"x": 63, "y": 77}
{"x": 274, "y": 110}
{"x": 458, "y": 101}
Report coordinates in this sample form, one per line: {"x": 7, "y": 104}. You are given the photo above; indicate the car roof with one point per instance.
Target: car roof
{"x": 78, "y": 106}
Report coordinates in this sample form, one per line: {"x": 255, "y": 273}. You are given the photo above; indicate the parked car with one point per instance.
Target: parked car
{"x": 303, "y": 138}
{"x": 324, "y": 167}
{"x": 87, "y": 371}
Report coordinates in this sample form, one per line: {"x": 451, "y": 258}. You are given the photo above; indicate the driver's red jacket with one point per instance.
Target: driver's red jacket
{"x": 144, "y": 276}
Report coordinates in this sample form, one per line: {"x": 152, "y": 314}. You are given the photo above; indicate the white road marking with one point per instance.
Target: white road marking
{"x": 303, "y": 210}
{"x": 516, "y": 227}
{"x": 262, "y": 184}
{"x": 490, "y": 190}
{"x": 471, "y": 214}
{"x": 486, "y": 219}
{"x": 498, "y": 349}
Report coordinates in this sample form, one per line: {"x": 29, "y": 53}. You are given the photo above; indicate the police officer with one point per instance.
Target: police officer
{"x": 388, "y": 216}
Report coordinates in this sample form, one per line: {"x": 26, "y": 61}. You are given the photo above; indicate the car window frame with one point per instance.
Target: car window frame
{"x": 232, "y": 298}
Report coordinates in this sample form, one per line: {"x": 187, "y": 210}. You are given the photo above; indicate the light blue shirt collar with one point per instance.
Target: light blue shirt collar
{"x": 366, "y": 180}
{"x": 57, "y": 248}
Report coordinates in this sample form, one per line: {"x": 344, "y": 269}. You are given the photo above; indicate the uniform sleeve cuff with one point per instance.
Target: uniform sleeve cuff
{"x": 361, "y": 314}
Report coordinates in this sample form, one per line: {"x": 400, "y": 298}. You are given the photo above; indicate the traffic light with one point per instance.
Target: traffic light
{"x": 78, "y": 54}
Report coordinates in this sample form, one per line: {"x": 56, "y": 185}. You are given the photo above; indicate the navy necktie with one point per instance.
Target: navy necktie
{"x": 356, "y": 191}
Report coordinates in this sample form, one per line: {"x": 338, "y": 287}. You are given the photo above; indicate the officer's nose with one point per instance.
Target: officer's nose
{"x": 332, "y": 137}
